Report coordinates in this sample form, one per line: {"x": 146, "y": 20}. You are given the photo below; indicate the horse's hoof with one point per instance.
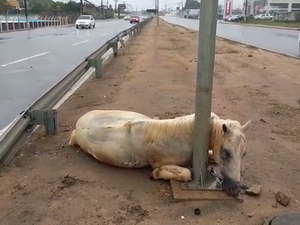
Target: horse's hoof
{"x": 151, "y": 176}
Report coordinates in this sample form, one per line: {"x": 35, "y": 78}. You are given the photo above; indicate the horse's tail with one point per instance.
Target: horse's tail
{"x": 72, "y": 141}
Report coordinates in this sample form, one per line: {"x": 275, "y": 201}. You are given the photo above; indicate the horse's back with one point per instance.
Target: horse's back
{"x": 105, "y": 134}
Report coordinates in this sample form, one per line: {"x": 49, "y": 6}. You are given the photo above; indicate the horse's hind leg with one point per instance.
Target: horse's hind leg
{"x": 171, "y": 172}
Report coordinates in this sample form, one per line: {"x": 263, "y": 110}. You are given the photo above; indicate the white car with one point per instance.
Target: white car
{"x": 263, "y": 17}
{"x": 85, "y": 21}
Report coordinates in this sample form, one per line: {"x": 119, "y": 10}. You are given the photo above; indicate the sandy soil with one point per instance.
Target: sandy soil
{"x": 50, "y": 183}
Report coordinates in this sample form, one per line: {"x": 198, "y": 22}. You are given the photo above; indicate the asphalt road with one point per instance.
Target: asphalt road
{"x": 33, "y": 61}
{"x": 278, "y": 40}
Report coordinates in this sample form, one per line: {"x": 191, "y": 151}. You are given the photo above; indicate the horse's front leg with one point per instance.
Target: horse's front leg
{"x": 171, "y": 172}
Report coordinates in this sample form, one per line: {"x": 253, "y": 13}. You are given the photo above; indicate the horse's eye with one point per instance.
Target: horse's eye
{"x": 244, "y": 154}
{"x": 226, "y": 153}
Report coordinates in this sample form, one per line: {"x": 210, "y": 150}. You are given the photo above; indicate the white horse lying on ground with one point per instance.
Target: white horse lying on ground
{"x": 132, "y": 140}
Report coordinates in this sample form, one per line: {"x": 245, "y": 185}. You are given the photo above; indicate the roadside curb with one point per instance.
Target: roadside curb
{"x": 227, "y": 39}
{"x": 265, "y": 49}
{"x": 261, "y": 25}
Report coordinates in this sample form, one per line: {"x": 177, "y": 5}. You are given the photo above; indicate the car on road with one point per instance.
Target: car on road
{"x": 127, "y": 17}
{"x": 226, "y": 18}
{"x": 237, "y": 18}
{"x": 263, "y": 17}
{"x": 85, "y": 21}
{"x": 134, "y": 19}
{"x": 234, "y": 18}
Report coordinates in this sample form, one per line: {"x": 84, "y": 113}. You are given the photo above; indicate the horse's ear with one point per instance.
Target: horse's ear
{"x": 246, "y": 126}
{"x": 225, "y": 128}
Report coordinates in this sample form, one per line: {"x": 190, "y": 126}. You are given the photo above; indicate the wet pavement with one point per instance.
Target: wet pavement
{"x": 278, "y": 40}
{"x": 32, "y": 61}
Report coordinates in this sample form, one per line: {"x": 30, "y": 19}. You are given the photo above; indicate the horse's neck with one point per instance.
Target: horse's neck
{"x": 179, "y": 129}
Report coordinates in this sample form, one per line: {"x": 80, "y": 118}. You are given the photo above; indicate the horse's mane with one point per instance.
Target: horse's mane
{"x": 183, "y": 127}
{"x": 160, "y": 130}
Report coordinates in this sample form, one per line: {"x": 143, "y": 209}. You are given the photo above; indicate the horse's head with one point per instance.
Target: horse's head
{"x": 228, "y": 142}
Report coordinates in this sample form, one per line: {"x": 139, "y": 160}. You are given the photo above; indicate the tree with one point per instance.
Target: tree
{"x": 40, "y": 5}
{"x": 50, "y": 5}
{"x": 72, "y": 6}
{"x": 21, "y": 2}
{"x": 4, "y": 6}
{"x": 58, "y": 5}
{"x": 192, "y": 4}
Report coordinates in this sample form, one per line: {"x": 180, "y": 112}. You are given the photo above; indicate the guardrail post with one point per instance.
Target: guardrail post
{"x": 46, "y": 117}
{"x": 114, "y": 46}
{"x": 97, "y": 63}
{"x": 130, "y": 34}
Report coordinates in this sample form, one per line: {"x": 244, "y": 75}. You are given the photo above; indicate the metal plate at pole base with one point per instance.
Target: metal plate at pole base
{"x": 210, "y": 183}
{"x": 191, "y": 185}
{"x": 197, "y": 193}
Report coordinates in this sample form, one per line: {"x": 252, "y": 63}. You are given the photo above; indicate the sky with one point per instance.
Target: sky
{"x": 139, "y": 4}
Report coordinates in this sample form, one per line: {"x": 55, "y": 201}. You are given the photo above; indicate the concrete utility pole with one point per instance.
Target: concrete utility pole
{"x": 157, "y": 11}
{"x": 101, "y": 7}
{"x": 246, "y": 9}
{"x": 116, "y": 2}
{"x": 204, "y": 83}
{"x": 26, "y": 13}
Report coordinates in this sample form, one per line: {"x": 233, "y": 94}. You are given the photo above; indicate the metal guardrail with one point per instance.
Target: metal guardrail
{"x": 19, "y": 23}
{"x": 41, "y": 113}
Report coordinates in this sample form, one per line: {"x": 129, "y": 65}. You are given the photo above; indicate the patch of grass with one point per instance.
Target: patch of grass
{"x": 273, "y": 23}
{"x": 277, "y": 108}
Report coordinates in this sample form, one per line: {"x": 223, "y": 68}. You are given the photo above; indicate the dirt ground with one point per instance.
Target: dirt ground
{"x": 49, "y": 183}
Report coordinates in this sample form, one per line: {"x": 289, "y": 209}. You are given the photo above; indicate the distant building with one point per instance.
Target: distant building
{"x": 283, "y": 6}
{"x": 256, "y": 7}
{"x": 14, "y": 3}
{"x": 270, "y": 6}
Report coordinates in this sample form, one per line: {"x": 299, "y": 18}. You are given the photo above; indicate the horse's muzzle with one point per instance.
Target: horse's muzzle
{"x": 232, "y": 187}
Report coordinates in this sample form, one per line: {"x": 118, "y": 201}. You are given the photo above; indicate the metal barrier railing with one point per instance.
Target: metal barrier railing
{"x": 41, "y": 113}
{"x": 14, "y": 23}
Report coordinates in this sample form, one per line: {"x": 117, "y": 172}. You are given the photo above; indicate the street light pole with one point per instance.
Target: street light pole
{"x": 81, "y": 7}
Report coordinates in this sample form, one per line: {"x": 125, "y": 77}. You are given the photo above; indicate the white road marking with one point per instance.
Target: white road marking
{"x": 24, "y": 59}
{"x": 82, "y": 42}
